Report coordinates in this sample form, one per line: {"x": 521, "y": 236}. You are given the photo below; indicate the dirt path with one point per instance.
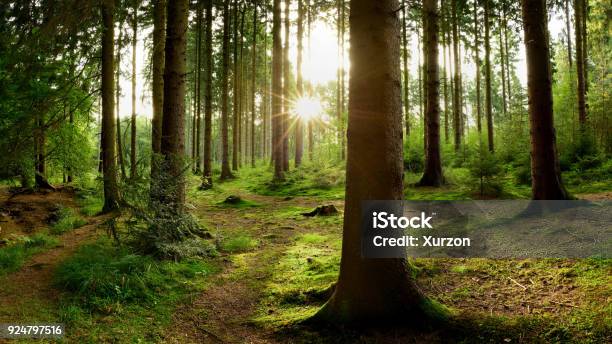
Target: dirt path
{"x": 223, "y": 312}
{"x": 33, "y": 283}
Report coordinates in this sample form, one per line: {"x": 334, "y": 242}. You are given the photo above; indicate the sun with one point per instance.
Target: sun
{"x": 307, "y": 108}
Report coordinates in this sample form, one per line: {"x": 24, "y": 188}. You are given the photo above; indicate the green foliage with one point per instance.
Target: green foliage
{"x": 15, "y": 254}
{"x": 90, "y": 203}
{"x": 102, "y": 274}
{"x": 485, "y": 169}
{"x": 65, "y": 219}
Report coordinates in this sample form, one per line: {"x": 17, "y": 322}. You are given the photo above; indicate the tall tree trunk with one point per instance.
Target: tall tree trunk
{"x": 208, "y": 181}
{"x": 507, "y": 56}
{"x": 159, "y": 39}
{"x": 264, "y": 139}
{"x": 488, "y": 101}
{"x": 406, "y": 83}
{"x": 432, "y": 175}
{"x": 299, "y": 123}
{"x": 133, "y": 121}
{"x": 580, "y": 59}
{"x": 242, "y": 105}
{"x": 198, "y": 110}
{"x": 445, "y": 69}
{"x": 225, "y": 167}
{"x": 376, "y": 290}
{"x": 477, "y": 61}
{"x": 286, "y": 88}
{"x": 40, "y": 177}
{"x": 172, "y": 172}
{"x": 236, "y": 92}
{"x": 545, "y": 174}
{"x": 109, "y": 162}
{"x": 117, "y": 98}
{"x": 253, "y": 74}
{"x": 277, "y": 89}
{"x": 310, "y": 123}
{"x": 342, "y": 72}
{"x": 502, "y": 55}
{"x": 568, "y": 31}
{"x": 457, "y": 78}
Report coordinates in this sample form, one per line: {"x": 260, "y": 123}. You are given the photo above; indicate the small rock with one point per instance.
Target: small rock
{"x": 324, "y": 210}
{"x": 232, "y": 199}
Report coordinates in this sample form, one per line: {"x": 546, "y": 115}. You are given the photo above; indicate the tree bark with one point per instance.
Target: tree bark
{"x": 406, "y": 80}
{"x": 277, "y": 89}
{"x": 477, "y": 61}
{"x": 172, "y": 170}
{"x": 159, "y": 40}
{"x": 373, "y": 290}
{"x": 208, "y": 181}
{"x": 225, "y": 167}
{"x": 545, "y": 173}
{"x": 580, "y": 59}
{"x": 109, "y": 162}
{"x": 253, "y": 74}
{"x": 133, "y": 171}
{"x": 117, "y": 97}
{"x": 502, "y": 55}
{"x": 236, "y": 92}
{"x": 457, "y": 78}
{"x": 286, "y": 88}
{"x": 299, "y": 123}
{"x": 198, "y": 109}
{"x": 488, "y": 101}
{"x": 432, "y": 175}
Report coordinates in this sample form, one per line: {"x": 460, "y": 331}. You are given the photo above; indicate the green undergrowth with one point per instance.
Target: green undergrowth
{"x": 18, "y": 251}
{"x": 90, "y": 202}
{"x": 65, "y": 220}
{"x": 300, "y": 283}
{"x": 113, "y": 294}
{"x": 239, "y": 242}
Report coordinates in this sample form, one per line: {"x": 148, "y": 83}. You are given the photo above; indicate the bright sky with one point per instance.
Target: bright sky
{"x": 320, "y": 62}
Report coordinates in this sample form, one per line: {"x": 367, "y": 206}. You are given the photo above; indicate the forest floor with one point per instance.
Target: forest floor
{"x": 275, "y": 268}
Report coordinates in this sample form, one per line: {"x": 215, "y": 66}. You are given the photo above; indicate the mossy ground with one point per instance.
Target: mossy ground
{"x": 275, "y": 268}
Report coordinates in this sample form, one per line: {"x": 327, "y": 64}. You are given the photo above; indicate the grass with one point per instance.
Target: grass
{"x": 116, "y": 295}
{"x": 238, "y": 243}
{"x": 66, "y": 220}
{"x": 14, "y": 255}
{"x": 90, "y": 203}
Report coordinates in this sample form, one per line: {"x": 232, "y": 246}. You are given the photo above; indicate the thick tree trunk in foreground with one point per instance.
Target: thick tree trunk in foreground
{"x": 225, "y": 167}
{"x": 432, "y": 175}
{"x": 133, "y": 121}
{"x": 208, "y": 181}
{"x": 373, "y": 290}
{"x": 159, "y": 40}
{"x": 277, "y": 90}
{"x": 299, "y": 122}
{"x": 109, "y": 161}
{"x": 173, "y": 122}
{"x": 546, "y": 176}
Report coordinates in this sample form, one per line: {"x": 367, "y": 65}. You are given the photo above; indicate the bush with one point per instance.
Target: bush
{"x": 414, "y": 159}
{"x": 64, "y": 220}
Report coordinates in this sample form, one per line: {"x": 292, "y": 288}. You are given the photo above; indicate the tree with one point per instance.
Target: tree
{"x": 457, "y": 78}
{"x": 277, "y": 88}
{"x": 253, "y": 74}
{"x": 488, "y": 101}
{"x": 545, "y": 173}
{"x": 373, "y": 289}
{"x": 406, "y": 78}
{"x": 236, "y": 92}
{"x": 579, "y": 15}
{"x": 198, "y": 89}
{"x": 207, "y": 181}
{"x": 117, "y": 97}
{"x": 172, "y": 170}
{"x": 299, "y": 123}
{"x": 286, "y": 89}
{"x": 225, "y": 168}
{"x": 109, "y": 164}
{"x": 477, "y": 62}
{"x": 158, "y": 58}
{"x": 432, "y": 175}
{"x": 133, "y": 121}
